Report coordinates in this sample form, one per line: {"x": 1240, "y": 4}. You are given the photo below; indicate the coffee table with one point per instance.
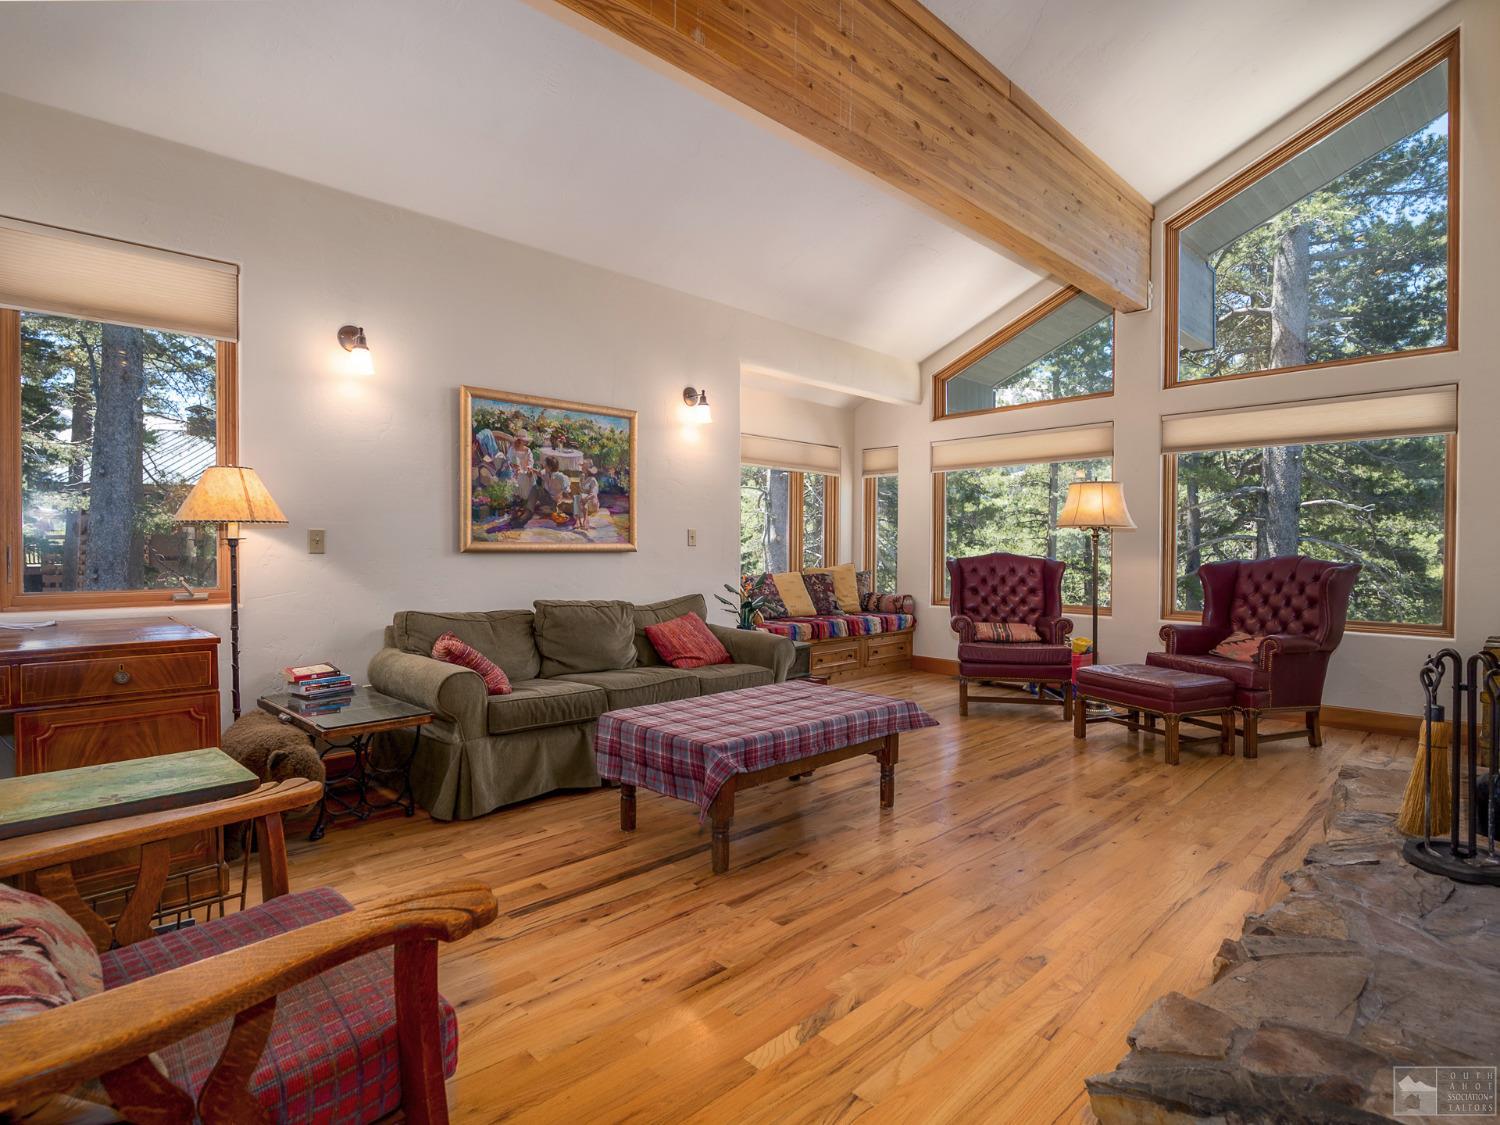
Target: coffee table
{"x": 352, "y": 726}
{"x": 707, "y": 749}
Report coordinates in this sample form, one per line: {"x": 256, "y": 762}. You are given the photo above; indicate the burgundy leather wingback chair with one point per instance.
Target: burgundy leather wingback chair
{"x": 1016, "y": 589}
{"x": 1296, "y": 606}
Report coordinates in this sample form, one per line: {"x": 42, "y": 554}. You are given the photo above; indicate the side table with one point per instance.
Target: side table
{"x": 350, "y": 725}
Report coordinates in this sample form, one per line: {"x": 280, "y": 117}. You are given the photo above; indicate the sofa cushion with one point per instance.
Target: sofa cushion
{"x": 503, "y": 635}
{"x": 820, "y": 589}
{"x": 450, "y": 650}
{"x": 636, "y": 687}
{"x": 731, "y": 677}
{"x": 687, "y": 642}
{"x": 543, "y": 703}
{"x": 794, "y": 596}
{"x": 332, "y": 1053}
{"x": 845, "y": 585}
{"x": 654, "y": 613}
{"x": 584, "y": 636}
{"x": 763, "y": 586}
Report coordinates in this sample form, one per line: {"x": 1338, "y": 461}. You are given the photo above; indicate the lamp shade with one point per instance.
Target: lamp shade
{"x": 1095, "y": 503}
{"x": 229, "y": 494}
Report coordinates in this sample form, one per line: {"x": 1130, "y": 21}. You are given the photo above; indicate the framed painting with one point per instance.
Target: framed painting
{"x": 543, "y": 474}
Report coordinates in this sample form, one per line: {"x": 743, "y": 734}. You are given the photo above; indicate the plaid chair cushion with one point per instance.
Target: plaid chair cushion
{"x": 332, "y": 1052}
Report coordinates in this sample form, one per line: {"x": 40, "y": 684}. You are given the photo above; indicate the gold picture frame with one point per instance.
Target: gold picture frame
{"x": 544, "y": 474}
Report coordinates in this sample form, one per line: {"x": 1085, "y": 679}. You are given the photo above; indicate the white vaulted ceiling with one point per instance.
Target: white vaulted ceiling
{"x": 504, "y": 118}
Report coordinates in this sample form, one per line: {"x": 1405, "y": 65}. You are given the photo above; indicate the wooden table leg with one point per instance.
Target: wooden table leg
{"x": 1080, "y": 715}
{"x": 888, "y": 757}
{"x": 1173, "y": 738}
{"x": 1226, "y": 733}
{"x": 627, "y": 808}
{"x": 1132, "y": 721}
{"x": 721, "y": 814}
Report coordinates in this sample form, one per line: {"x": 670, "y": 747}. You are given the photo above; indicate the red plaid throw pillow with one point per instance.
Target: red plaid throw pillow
{"x": 1009, "y": 632}
{"x": 687, "y": 642}
{"x": 1238, "y": 646}
{"x": 451, "y": 650}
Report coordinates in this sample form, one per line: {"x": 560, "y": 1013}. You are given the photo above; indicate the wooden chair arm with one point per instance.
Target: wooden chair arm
{"x": 57, "y": 1050}
{"x": 23, "y": 854}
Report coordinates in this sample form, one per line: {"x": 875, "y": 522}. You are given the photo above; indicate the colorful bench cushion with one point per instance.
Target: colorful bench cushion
{"x": 838, "y": 625}
{"x": 332, "y": 1052}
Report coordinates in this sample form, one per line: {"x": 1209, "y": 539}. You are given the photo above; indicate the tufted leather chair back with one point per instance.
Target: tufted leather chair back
{"x": 1005, "y": 587}
{"x": 1290, "y": 594}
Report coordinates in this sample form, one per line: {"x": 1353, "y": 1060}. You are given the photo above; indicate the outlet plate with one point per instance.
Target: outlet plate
{"x": 692, "y": 537}
{"x": 317, "y": 542}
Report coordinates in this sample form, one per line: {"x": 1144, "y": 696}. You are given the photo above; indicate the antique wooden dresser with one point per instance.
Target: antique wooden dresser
{"x": 102, "y": 690}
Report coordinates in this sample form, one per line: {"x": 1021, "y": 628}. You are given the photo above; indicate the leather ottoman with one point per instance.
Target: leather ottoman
{"x": 1166, "y": 692}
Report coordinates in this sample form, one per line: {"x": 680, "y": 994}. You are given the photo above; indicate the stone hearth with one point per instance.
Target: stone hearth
{"x": 1365, "y": 965}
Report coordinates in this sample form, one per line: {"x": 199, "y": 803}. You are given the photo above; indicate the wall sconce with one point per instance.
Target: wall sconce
{"x": 697, "y": 403}
{"x": 352, "y": 340}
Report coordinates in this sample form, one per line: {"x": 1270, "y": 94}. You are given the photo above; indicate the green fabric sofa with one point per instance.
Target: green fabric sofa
{"x": 568, "y": 663}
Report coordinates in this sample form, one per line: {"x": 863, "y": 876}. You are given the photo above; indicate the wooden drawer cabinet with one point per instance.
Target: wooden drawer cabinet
{"x": 879, "y": 649}
{"x": 76, "y": 681}
{"x": 834, "y": 657}
{"x": 85, "y": 692}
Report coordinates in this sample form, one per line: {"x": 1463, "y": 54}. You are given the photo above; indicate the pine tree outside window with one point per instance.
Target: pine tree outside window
{"x": 1365, "y": 478}
{"x": 1332, "y": 249}
{"x": 112, "y": 417}
{"x": 1062, "y": 349}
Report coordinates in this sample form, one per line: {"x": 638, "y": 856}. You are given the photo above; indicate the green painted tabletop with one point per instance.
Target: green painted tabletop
{"x": 62, "y": 798}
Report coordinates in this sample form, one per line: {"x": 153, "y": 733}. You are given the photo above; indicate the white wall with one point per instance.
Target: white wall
{"x": 1376, "y": 672}
{"x": 374, "y": 460}
{"x": 767, "y": 412}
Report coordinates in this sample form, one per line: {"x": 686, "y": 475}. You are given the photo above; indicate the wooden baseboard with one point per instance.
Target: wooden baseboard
{"x": 1376, "y": 722}
{"x": 934, "y": 664}
{"x": 1345, "y": 718}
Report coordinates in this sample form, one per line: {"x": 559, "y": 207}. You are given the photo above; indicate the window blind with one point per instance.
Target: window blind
{"x": 880, "y": 461}
{"x": 1421, "y": 410}
{"x": 1029, "y": 447}
{"x": 783, "y": 453}
{"x": 51, "y": 270}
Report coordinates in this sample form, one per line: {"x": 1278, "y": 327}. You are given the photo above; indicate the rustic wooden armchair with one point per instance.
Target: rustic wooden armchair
{"x": 188, "y": 1022}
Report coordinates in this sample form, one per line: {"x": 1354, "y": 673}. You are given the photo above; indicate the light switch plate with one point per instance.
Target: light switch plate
{"x": 692, "y": 537}
{"x": 316, "y": 541}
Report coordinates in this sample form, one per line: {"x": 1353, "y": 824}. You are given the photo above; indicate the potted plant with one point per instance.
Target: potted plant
{"x": 745, "y": 603}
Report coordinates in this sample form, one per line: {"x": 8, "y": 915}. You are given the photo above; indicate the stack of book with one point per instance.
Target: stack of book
{"x": 318, "y": 688}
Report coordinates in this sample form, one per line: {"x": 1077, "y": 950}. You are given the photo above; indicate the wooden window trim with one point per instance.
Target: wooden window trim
{"x": 940, "y": 556}
{"x": 1005, "y": 335}
{"x": 1446, "y": 49}
{"x": 1170, "y": 612}
{"x": 12, "y": 595}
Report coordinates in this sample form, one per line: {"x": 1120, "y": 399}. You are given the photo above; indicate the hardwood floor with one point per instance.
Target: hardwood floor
{"x": 970, "y": 956}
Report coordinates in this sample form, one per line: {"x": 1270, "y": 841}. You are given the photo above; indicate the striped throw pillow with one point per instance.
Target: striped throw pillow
{"x": 1007, "y": 632}
{"x": 1243, "y": 647}
{"x": 450, "y": 650}
{"x": 687, "y": 642}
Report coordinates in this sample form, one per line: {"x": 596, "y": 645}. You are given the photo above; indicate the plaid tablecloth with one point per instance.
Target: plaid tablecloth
{"x": 688, "y": 748}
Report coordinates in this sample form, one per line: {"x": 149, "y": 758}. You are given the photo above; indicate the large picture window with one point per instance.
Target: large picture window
{"x": 1383, "y": 498}
{"x": 1332, "y": 249}
{"x": 787, "y": 519}
{"x": 1062, "y": 349}
{"x": 1004, "y": 493}
{"x": 110, "y": 419}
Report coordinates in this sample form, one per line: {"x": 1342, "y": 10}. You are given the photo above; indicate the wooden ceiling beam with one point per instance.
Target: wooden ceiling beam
{"x": 889, "y": 87}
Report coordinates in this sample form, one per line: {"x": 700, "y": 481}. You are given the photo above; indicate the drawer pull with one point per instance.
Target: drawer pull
{"x": 121, "y": 677}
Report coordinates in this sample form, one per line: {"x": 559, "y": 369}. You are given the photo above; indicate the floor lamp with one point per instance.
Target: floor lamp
{"x": 231, "y": 495}
{"x": 1095, "y": 506}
